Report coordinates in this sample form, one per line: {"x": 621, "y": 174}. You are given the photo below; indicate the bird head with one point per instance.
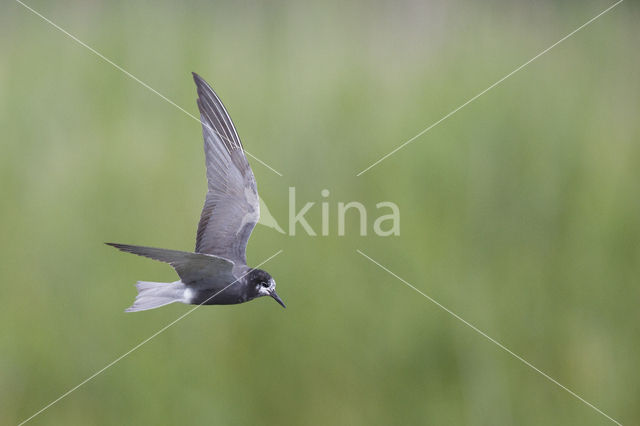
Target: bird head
{"x": 264, "y": 285}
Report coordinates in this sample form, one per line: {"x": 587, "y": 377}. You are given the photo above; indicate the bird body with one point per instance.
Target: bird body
{"x": 216, "y": 273}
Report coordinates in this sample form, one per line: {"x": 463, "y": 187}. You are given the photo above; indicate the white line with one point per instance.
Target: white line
{"x": 133, "y": 77}
{"x": 491, "y": 339}
{"x": 137, "y": 346}
{"x": 490, "y": 87}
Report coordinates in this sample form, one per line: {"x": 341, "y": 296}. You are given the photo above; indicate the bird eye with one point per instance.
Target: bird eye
{"x": 265, "y": 284}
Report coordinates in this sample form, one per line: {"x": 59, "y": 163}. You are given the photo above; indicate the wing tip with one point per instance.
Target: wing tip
{"x": 121, "y": 247}
{"x": 201, "y": 83}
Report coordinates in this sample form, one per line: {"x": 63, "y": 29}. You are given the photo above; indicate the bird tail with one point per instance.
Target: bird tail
{"x": 153, "y": 295}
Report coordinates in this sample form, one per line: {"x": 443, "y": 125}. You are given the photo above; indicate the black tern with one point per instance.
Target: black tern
{"x": 217, "y": 273}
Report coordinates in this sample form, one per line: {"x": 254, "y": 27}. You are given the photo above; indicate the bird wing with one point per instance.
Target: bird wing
{"x": 231, "y": 209}
{"x": 193, "y": 268}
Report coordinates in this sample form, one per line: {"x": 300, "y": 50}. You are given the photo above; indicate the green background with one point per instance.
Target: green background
{"x": 520, "y": 213}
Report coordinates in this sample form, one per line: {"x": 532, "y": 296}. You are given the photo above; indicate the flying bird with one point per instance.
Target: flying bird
{"x": 217, "y": 272}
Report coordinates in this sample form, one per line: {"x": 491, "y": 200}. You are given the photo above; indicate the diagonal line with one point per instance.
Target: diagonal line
{"x": 490, "y": 87}
{"x": 138, "y": 346}
{"x": 136, "y": 79}
{"x": 492, "y": 340}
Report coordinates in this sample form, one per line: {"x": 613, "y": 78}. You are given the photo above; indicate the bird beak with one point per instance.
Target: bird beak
{"x": 277, "y": 298}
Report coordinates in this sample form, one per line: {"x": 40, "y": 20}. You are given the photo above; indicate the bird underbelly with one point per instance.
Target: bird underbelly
{"x": 217, "y": 297}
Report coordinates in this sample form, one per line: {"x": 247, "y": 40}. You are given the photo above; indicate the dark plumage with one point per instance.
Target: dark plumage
{"x": 217, "y": 273}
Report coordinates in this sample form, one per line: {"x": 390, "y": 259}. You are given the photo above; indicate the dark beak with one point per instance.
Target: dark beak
{"x": 277, "y": 298}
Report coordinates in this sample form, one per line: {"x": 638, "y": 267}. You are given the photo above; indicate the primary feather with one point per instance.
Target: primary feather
{"x": 231, "y": 209}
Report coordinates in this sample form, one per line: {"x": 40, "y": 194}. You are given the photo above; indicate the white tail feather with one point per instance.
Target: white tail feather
{"x": 153, "y": 295}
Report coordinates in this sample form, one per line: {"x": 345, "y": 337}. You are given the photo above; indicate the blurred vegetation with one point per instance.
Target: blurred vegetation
{"x": 521, "y": 212}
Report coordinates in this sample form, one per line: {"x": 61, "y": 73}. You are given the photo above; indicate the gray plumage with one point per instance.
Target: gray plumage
{"x": 232, "y": 196}
{"x": 217, "y": 272}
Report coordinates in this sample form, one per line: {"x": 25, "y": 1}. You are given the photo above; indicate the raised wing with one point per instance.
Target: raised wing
{"x": 192, "y": 268}
{"x": 231, "y": 209}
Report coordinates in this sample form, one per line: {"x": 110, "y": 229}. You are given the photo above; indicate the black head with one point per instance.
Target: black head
{"x": 263, "y": 284}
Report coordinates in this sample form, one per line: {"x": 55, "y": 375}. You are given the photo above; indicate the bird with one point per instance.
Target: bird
{"x": 216, "y": 273}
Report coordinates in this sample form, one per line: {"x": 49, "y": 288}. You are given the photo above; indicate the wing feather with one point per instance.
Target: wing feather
{"x": 193, "y": 268}
{"x": 231, "y": 209}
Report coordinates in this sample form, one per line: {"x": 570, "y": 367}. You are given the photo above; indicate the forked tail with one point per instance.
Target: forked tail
{"x": 153, "y": 295}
